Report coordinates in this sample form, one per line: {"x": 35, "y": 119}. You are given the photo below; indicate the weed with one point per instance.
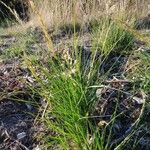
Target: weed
{"x": 13, "y": 52}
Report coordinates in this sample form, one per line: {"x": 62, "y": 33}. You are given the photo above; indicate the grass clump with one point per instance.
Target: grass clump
{"x": 144, "y": 72}
{"x": 13, "y": 52}
{"x": 7, "y": 23}
{"x": 71, "y": 101}
{"x": 65, "y": 82}
{"x": 15, "y": 48}
{"x": 113, "y": 38}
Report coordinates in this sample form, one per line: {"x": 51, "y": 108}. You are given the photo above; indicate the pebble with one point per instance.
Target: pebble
{"x": 37, "y": 148}
{"x": 98, "y": 93}
{"x": 21, "y": 135}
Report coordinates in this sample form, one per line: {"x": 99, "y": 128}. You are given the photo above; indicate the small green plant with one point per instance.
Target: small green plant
{"x": 16, "y": 48}
{"x": 5, "y": 23}
{"x": 144, "y": 70}
{"x": 140, "y": 72}
{"x": 13, "y": 52}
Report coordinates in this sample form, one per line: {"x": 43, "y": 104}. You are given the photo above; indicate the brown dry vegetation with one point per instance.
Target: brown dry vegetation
{"x": 60, "y": 12}
{"x": 56, "y": 13}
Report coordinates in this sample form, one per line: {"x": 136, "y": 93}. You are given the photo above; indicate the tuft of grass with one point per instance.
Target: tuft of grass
{"x": 65, "y": 81}
{"x": 66, "y": 91}
{"x": 5, "y": 23}
{"x": 17, "y": 48}
{"x": 111, "y": 37}
{"x": 13, "y": 52}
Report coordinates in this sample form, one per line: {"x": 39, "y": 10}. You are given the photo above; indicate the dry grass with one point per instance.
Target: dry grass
{"x": 58, "y": 12}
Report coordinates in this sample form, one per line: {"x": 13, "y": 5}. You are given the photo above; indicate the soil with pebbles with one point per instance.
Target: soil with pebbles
{"x": 17, "y": 127}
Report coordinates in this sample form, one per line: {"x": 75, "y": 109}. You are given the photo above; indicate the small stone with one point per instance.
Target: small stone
{"x": 98, "y": 93}
{"x": 138, "y": 100}
{"x": 102, "y": 123}
{"x": 29, "y": 106}
{"x": 21, "y": 135}
{"x": 36, "y": 148}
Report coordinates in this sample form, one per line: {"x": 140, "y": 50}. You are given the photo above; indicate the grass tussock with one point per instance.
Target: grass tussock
{"x": 67, "y": 82}
{"x": 111, "y": 37}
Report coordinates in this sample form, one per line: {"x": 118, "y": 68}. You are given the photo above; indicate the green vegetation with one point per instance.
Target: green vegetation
{"x": 67, "y": 84}
{"x": 66, "y": 90}
{"x": 113, "y": 38}
{"x": 86, "y": 107}
{"x": 139, "y": 70}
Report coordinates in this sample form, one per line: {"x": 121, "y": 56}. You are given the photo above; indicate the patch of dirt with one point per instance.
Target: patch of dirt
{"x": 116, "y": 98}
{"x": 17, "y": 127}
{"x": 143, "y": 23}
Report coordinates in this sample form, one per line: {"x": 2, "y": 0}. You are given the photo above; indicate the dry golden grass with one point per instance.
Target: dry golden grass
{"x": 58, "y": 12}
